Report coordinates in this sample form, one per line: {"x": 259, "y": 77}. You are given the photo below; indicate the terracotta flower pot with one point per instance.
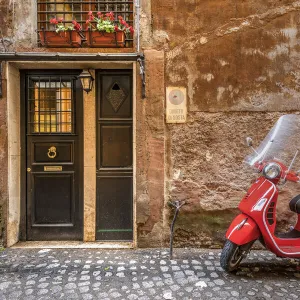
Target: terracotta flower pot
{"x": 60, "y": 39}
{"x": 102, "y": 39}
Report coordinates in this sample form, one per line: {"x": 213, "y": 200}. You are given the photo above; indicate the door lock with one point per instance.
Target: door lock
{"x": 28, "y": 170}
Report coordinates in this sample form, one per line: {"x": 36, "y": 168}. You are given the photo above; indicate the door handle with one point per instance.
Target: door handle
{"x": 28, "y": 170}
{"x": 52, "y": 152}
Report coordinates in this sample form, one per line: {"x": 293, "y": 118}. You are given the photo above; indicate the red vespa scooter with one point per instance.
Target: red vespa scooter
{"x": 274, "y": 158}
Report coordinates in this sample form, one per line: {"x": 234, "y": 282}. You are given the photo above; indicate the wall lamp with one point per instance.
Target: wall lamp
{"x": 87, "y": 80}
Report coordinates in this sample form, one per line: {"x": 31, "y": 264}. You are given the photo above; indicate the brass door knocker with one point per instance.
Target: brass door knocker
{"x": 52, "y": 152}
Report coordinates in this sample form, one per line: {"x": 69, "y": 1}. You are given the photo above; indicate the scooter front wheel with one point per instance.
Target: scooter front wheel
{"x": 232, "y": 255}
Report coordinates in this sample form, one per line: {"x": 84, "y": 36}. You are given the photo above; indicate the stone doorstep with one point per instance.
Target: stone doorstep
{"x": 72, "y": 245}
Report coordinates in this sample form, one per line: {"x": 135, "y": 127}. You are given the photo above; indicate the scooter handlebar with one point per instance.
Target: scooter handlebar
{"x": 287, "y": 175}
{"x": 292, "y": 176}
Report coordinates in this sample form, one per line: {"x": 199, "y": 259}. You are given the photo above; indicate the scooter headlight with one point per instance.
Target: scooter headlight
{"x": 271, "y": 171}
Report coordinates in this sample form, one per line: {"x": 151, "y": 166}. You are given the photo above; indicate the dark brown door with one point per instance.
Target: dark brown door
{"x": 54, "y": 156}
{"x": 114, "y": 156}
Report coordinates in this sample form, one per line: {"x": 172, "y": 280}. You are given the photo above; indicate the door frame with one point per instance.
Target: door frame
{"x": 23, "y": 143}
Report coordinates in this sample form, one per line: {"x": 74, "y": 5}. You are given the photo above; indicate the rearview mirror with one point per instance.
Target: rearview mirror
{"x": 249, "y": 141}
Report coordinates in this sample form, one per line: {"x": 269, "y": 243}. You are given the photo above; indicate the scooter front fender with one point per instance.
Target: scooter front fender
{"x": 243, "y": 230}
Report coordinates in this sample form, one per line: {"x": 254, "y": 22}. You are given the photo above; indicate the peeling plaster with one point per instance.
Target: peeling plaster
{"x": 209, "y": 77}
{"x": 221, "y": 90}
{"x": 160, "y": 36}
{"x": 192, "y": 76}
{"x": 291, "y": 33}
{"x": 176, "y": 174}
{"x": 223, "y": 63}
{"x": 282, "y": 49}
{"x": 208, "y": 156}
{"x": 203, "y": 40}
{"x": 236, "y": 25}
{"x": 251, "y": 51}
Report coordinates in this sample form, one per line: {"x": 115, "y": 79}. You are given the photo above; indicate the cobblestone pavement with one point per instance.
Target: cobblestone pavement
{"x": 142, "y": 274}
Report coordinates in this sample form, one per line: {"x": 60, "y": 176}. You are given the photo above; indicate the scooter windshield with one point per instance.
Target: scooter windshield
{"x": 281, "y": 143}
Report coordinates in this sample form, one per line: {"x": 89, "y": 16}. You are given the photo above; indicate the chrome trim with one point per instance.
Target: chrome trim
{"x": 269, "y": 165}
{"x": 239, "y": 227}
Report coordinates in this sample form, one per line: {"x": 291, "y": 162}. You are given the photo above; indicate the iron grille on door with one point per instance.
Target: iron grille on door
{"x": 50, "y": 105}
{"x": 78, "y": 10}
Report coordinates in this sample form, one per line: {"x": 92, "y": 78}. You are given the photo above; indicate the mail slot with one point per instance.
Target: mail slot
{"x": 52, "y": 168}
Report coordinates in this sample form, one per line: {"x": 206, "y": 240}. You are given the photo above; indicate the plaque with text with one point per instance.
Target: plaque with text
{"x": 176, "y": 107}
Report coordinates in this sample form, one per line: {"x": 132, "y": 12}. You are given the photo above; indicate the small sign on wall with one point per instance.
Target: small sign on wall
{"x": 176, "y": 111}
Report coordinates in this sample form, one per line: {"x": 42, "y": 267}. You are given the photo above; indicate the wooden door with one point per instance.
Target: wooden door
{"x": 114, "y": 219}
{"x": 54, "y": 156}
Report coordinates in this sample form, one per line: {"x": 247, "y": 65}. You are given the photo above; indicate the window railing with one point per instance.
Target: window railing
{"x": 50, "y": 105}
{"x": 78, "y": 10}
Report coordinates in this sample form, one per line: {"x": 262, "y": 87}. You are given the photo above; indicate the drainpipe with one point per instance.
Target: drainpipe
{"x": 1, "y": 95}
{"x": 141, "y": 58}
{"x": 138, "y": 7}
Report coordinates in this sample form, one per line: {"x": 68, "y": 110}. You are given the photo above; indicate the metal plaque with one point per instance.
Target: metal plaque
{"x": 52, "y": 168}
{"x": 176, "y": 108}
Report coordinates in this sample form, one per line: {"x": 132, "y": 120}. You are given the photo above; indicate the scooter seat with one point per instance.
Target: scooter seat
{"x": 295, "y": 204}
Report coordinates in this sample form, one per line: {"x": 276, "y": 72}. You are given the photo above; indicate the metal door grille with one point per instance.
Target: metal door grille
{"x": 78, "y": 10}
{"x": 50, "y": 105}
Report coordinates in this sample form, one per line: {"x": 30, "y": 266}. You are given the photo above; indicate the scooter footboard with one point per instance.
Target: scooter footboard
{"x": 243, "y": 230}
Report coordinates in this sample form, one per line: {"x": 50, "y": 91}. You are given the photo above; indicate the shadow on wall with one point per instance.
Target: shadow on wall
{"x": 207, "y": 229}
{"x": 202, "y": 229}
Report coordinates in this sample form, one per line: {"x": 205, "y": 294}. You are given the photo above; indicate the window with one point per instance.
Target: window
{"x": 78, "y": 10}
{"x": 50, "y": 105}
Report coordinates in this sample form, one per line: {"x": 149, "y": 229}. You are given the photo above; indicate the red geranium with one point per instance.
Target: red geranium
{"x": 110, "y": 16}
{"x": 77, "y": 26}
{"x": 54, "y": 21}
{"x": 61, "y": 26}
{"x": 108, "y": 23}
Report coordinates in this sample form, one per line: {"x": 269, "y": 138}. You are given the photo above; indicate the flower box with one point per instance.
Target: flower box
{"x": 69, "y": 38}
{"x": 101, "y": 39}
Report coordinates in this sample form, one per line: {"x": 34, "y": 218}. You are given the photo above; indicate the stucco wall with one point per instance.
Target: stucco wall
{"x": 240, "y": 63}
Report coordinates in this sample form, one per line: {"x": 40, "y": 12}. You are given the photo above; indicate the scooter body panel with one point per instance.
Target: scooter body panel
{"x": 260, "y": 205}
{"x": 243, "y": 230}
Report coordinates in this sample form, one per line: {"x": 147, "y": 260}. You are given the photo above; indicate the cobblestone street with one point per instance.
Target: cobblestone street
{"x": 142, "y": 274}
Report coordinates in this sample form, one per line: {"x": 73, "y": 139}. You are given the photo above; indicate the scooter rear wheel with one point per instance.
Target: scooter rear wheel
{"x": 233, "y": 254}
